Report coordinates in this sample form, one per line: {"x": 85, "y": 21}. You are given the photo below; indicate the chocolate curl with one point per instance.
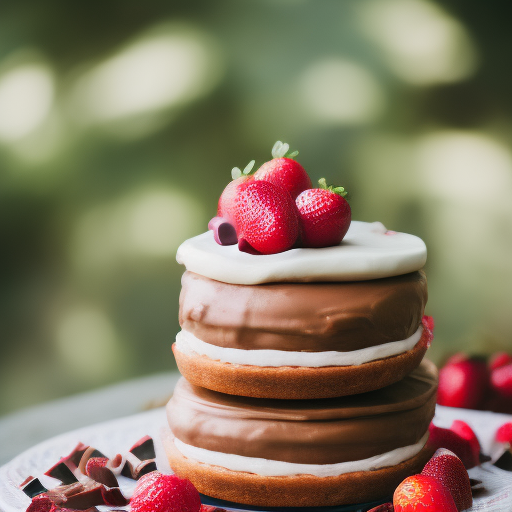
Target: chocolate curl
{"x": 224, "y": 232}
{"x": 135, "y": 468}
{"x": 32, "y": 487}
{"x": 144, "y": 448}
{"x": 66, "y": 467}
{"x": 103, "y": 475}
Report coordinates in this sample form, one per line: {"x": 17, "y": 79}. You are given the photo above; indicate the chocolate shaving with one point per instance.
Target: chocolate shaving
{"x": 483, "y": 458}
{"x": 32, "y": 487}
{"x": 62, "y": 472}
{"x": 80, "y": 496}
{"x": 116, "y": 461}
{"x": 135, "y": 468}
{"x": 113, "y": 497}
{"x": 103, "y": 475}
{"x": 505, "y": 461}
{"x": 144, "y": 448}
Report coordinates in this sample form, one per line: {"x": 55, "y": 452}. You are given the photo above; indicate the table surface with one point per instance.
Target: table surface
{"x": 23, "y": 429}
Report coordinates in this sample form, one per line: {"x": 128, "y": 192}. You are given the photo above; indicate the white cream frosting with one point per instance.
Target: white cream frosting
{"x": 368, "y": 251}
{"x": 267, "y": 467}
{"x": 187, "y": 343}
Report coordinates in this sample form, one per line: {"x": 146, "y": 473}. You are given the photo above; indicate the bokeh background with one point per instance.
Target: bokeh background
{"x": 120, "y": 123}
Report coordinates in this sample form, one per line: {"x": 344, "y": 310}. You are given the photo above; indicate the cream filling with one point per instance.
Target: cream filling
{"x": 187, "y": 343}
{"x": 267, "y": 467}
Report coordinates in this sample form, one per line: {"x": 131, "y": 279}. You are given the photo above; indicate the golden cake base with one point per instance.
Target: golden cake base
{"x": 291, "y": 491}
{"x": 296, "y": 382}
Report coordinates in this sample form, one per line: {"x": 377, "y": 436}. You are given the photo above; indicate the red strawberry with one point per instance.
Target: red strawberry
{"x": 40, "y": 503}
{"x": 324, "y": 215}
{"x": 99, "y": 462}
{"x": 226, "y": 206}
{"x": 422, "y": 493}
{"x": 266, "y": 218}
{"x": 156, "y": 492}
{"x": 499, "y": 359}
{"x": 504, "y": 433}
{"x": 456, "y": 358}
{"x": 446, "y": 467}
{"x": 463, "y": 383}
{"x": 501, "y": 380}
{"x": 445, "y": 438}
{"x": 462, "y": 429}
{"x": 282, "y": 170}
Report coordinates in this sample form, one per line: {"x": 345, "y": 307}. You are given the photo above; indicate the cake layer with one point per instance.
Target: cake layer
{"x": 292, "y": 491}
{"x": 368, "y": 251}
{"x": 296, "y": 382}
{"x": 187, "y": 343}
{"x": 268, "y": 467}
{"x": 298, "y": 317}
{"x": 326, "y": 431}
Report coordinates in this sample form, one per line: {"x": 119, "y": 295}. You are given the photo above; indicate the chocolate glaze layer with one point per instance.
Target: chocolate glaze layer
{"x": 303, "y": 316}
{"x": 323, "y": 431}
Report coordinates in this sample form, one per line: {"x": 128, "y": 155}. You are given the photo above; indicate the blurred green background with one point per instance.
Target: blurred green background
{"x": 120, "y": 123}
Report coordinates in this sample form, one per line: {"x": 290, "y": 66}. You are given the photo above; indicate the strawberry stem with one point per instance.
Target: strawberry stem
{"x": 280, "y": 150}
{"x": 236, "y": 172}
{"x": 337, "y": 190}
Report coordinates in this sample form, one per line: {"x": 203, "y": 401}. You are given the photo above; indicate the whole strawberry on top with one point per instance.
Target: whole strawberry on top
{"x": 324, "y": 215}
{"x": 265, "y": 218}
{"x": 226, "y": 205}
{"x": 284, "y": 171}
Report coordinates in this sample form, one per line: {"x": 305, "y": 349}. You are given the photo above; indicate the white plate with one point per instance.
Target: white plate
{"x": 118, "y": 436}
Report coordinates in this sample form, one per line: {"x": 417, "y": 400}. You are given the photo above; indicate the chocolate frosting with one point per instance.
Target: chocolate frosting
{"x": 303, "y": 316}
{"x": 324, "y": 431}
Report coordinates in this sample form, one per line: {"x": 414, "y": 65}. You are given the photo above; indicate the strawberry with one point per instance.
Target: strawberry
{"x": 324, "y": 215}
{"x": 99, "y": 462}
{"x": 446, "y": 467}
{"x": 40, "y": 503}
{"x": 456, "y": 358}
{"x": 156, "y": 492}
{"x": 226, "y": 206}
{"x": 462, "y": 429}
{"x": 422, "y": 493}
{"x": 284, "y": 171}
{"x": 463, "y": 383}
{"x": 499, "y": 359}
{"x": 501, "y": 380}
{"x": 446, "y": 438}
{"x": 265, "y": 217}
{"x": 504, "y": 433}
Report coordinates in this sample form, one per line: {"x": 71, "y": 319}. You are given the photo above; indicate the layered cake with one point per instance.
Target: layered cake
{"x": 332, "y": 451}
{"x": 301, "y": 348}
{"x": 305, "y": 323}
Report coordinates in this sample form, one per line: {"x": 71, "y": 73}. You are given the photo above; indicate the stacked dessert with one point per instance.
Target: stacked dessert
{"x": 305, "y": 384}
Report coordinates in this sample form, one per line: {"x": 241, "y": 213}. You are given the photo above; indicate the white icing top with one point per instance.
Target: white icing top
{"x": 368, "y": 251}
